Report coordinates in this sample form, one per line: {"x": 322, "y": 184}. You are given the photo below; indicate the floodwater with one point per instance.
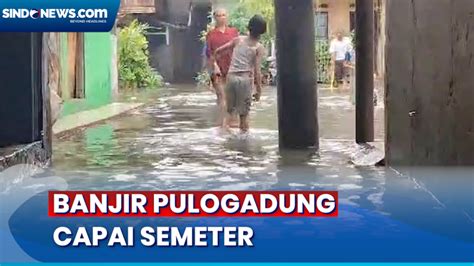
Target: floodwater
{"x": 171, "y": 143}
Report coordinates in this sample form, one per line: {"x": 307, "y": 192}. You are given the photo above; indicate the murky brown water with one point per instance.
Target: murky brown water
{"x": 172, "y": 143}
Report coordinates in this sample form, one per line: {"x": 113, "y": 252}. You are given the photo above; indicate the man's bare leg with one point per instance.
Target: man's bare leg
{"x": 227, "y": 118}
{"x": 221, "y": 104}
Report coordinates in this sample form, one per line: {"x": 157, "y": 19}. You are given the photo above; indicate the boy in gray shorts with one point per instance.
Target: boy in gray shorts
{"x": 244, "y": 70}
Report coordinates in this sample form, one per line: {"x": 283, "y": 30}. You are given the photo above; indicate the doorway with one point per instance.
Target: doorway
{"x": 21, "y": 108}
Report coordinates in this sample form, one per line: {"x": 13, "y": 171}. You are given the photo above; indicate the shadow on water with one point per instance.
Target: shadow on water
{"x": 295, "y": 169}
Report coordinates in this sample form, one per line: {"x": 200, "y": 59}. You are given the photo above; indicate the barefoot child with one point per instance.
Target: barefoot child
{"x": 244, "y": 70}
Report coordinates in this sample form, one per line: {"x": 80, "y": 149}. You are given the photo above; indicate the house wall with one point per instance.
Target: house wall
{"x": 188, "y": 47}
{"x": 97, "y": 73}
{"x": 429, "y": 82}
{"x": 98, "y": 54}
{"x": 380, "y": 41}
{"x": 338, "y": 15}
{"x": 181, "y": 60}
{"x": 63, "y": 76}
{"x": 339, "y": 20}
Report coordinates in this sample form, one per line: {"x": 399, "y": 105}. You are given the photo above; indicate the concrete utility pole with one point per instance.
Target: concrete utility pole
{"x": 297, "y": 88}
{"x": 364, "y": 71}
{"x": 429, "y": 82}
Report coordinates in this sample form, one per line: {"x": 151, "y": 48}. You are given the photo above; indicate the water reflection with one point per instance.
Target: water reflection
{"x": 440, "y": 200}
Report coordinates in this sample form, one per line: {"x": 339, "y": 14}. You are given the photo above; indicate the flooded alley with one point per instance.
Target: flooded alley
{"x": 172, "y": 143}
{"x": 102, "y": 129}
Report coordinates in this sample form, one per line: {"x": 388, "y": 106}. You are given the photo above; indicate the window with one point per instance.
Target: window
{"x": 352, "y": 17}
{"x": 321, "y": 25}
{"x": 163, "y": 32}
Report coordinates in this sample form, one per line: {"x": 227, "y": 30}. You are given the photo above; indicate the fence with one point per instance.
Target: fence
{"x": 323, "y": 61}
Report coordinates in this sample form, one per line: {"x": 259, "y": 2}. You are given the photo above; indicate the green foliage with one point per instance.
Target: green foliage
{"x": 203, "y": 34}
{"x": 203, "y": 79}
{"x": 323, "y": 61}
{"x": 353, "y": 38}
{"x": 264, "y": 8}
{"x": 240, "y": 16}
{"x": 239, "y": 19}
{"x": 322, "y": 50}
{"x": 134, "y": 69}
{"x": 265, "y": 66}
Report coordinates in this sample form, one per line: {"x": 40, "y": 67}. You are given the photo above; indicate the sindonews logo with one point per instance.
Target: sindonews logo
{"x": 54, "y": 13}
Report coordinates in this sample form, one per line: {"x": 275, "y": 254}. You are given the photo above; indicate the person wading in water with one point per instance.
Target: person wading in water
{"x": 219, "y": 67}
{"x": 244, "y": 71}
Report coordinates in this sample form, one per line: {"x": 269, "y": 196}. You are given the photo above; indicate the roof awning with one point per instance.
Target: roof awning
{"x": 137, "y": 6}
